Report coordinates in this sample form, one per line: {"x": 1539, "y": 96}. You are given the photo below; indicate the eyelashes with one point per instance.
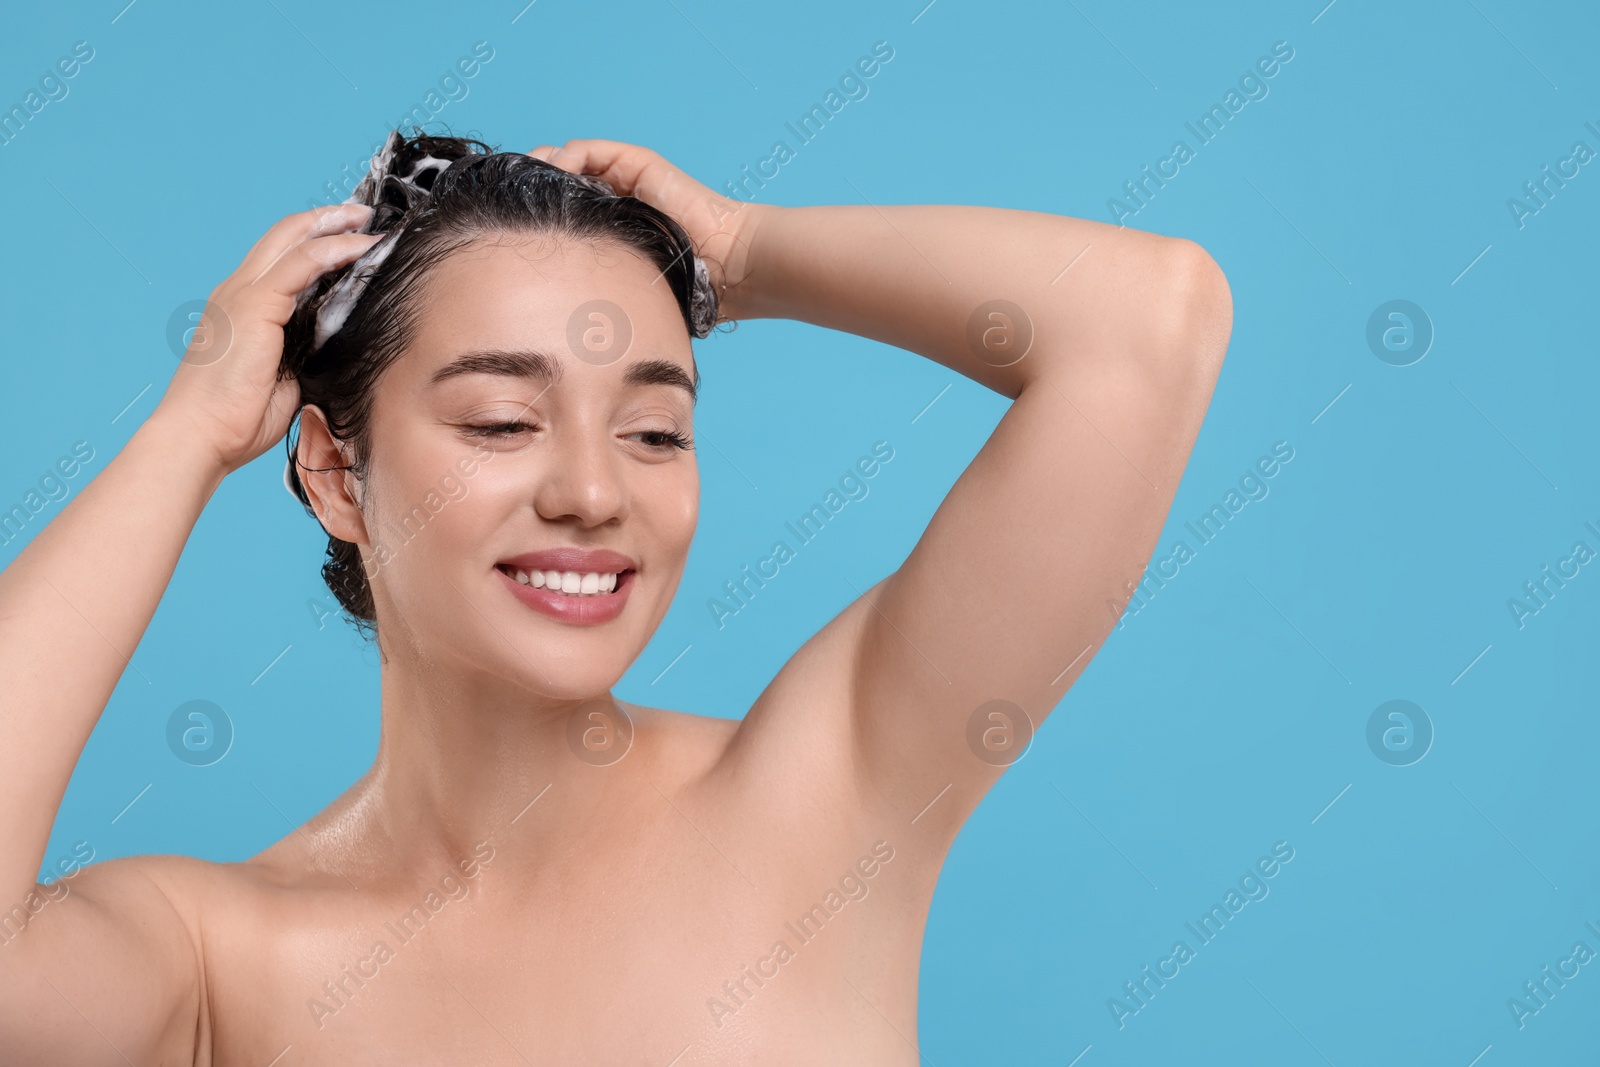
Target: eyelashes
{"x": 672, "y": 438}
{"x": 494, "y": 429}
{"x": 664, "y": 439}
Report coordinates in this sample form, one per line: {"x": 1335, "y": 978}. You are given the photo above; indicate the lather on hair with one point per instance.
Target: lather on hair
{"x": 401, "y": 175}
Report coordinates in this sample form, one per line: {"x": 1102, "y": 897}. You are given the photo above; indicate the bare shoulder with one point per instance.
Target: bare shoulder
{"x": 799, "y": 732}
{"x": 158, "y": 888}
{"x": 166, "y": 895}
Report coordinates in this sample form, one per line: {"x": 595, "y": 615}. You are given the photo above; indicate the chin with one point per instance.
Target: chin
{"x": 562, "y": 663}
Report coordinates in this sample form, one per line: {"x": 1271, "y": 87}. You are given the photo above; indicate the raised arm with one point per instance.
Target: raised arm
{"x": 106, "y": 968}
{"x": 1109, "y": 342}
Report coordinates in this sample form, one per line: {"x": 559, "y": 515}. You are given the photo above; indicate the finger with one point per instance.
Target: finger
{"x": 630, "y": 169}
{"x": 618, "y": 163}
{"x": 302, "y": 264}
{"x": 302, "y": 225}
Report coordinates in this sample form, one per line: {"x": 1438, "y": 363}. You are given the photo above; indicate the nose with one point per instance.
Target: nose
{"x": 583, "y": 480}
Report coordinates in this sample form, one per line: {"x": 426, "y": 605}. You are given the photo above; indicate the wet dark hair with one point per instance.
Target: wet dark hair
{"x": 481, "y": 193}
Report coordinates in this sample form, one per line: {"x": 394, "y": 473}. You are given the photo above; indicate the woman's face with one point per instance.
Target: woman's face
{"x": 534, "y": 410}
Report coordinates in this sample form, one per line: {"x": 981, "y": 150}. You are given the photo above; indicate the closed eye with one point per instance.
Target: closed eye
{"x": 495, "y": 429}
{"x": 655, "y": 439}
{"x": 664, "y": 439}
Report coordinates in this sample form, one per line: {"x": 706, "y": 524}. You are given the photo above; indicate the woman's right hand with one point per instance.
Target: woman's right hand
{"x": 226, "y": 391}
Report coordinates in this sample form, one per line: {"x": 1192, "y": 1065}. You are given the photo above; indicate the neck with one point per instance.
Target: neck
{"x": 465, "y": 759}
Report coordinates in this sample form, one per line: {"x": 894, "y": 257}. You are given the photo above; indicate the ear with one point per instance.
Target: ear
{"x": 334, "y": 492}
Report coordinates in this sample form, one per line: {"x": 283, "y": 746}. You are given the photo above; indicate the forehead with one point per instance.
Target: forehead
{"x": 582, "y": 302}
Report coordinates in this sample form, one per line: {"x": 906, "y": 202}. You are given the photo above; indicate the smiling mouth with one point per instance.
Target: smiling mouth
{"x": 576, "y": 584}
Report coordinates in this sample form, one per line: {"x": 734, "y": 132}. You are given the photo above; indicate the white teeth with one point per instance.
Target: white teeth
{"x": 571, "y": 583}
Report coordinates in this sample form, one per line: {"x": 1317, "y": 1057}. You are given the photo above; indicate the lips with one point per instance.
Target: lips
{"x": 586, "y": 610}
{"x": 581, "y": 560}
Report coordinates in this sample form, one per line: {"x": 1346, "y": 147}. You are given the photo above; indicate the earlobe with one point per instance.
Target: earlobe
{"x": 325, "y": 467}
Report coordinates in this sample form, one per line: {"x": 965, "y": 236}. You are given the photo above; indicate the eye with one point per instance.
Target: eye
{"x": 665, "y": 439}
{"x": 495, "y": 429}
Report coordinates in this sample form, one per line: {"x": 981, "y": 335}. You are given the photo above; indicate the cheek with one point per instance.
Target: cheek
{"x": 422, "y": 514}
{"x": 679, "y": 507}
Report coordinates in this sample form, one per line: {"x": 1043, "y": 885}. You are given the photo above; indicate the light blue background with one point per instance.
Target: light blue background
{"x": 1220, "y": 719}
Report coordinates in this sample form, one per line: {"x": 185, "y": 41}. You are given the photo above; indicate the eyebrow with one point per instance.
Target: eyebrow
{"x": 531, "y": 363}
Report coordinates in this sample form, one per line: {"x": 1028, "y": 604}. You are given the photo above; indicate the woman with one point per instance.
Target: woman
{"x": 495, "y": 385}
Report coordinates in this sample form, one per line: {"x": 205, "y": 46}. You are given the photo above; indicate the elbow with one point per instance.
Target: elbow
{"x": 1160, "y": 308}
{"x": 1198, "y": 318}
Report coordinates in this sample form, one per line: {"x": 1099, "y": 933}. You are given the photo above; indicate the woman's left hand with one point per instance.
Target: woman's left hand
{"x": 721, "y": 228}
